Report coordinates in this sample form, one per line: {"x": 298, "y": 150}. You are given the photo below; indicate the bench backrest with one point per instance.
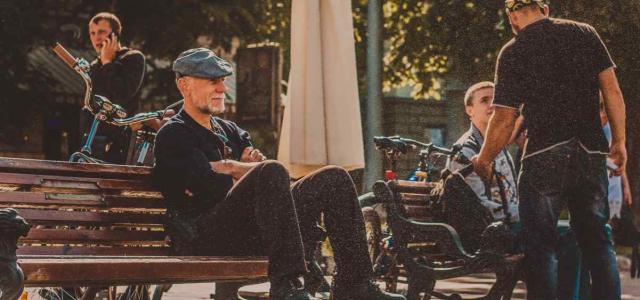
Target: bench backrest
{"x": 415, "y": 197}
{"x": 84, "y": 209}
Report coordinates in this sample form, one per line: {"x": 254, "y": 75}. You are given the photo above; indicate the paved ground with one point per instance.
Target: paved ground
{"x": 466, "y": 286}
{"x": 470, "y": 286}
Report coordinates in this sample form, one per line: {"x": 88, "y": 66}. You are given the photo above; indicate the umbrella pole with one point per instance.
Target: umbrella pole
{"x": 373, "y": 119}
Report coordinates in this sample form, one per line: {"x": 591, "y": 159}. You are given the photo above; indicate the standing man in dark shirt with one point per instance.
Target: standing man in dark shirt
{"x": 117, "y": 73}
{"x": 224, "y": 199}
{"x": 553, "y": 69}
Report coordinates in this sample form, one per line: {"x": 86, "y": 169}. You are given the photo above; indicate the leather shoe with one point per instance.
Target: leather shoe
{"x": 366, "y": 291}
{"x": 289, "y": 289}
{"x": 314, "y": 280}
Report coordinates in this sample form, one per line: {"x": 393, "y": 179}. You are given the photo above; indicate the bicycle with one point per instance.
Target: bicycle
{"x": 105, "y": 111}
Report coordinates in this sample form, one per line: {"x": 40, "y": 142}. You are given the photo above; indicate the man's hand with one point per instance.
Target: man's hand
{"x": 231, "y": 167}
{"x": 618, "y": 154}
{"x": 626, "y": 189}
{"x": 109, "y": 48}
{"x": 483, "y": 168}
{"x": 251, "y": 154}
{"x": 626, "y": 195}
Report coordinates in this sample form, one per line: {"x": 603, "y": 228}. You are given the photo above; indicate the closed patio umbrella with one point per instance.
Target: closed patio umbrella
{"x": 321, "y": 122}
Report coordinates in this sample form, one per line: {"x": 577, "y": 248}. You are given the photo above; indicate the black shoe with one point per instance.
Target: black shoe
{"x": 314, "y": 280}
{"x": 366, "y": 291}
{"x": 289, "y": 289}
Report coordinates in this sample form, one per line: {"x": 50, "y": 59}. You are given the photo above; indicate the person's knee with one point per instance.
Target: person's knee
{"x": 274, "y": 168}
{"x": 336, "y": 173}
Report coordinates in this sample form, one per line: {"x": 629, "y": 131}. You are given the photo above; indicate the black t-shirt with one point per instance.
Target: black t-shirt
{"x": 183, "y": 151}
{"x": 119, "y": 81}
{"x": 551, "y": 68}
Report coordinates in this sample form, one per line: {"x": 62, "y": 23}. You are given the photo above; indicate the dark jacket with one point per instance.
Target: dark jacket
{"x": 183, "y": 152}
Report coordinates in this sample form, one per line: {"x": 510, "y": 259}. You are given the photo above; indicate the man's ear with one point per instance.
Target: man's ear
{"x": 468, "y": 110}
{"x": 512, "y": 17}
{"x": 182, "y": 83}
{"x": 545, "y": 10}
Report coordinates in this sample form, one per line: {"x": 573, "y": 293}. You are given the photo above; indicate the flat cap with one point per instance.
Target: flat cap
{"x": 201, "y": 62}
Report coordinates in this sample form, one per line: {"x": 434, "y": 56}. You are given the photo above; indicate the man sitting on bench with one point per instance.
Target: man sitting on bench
{"x": 225, "y": 199}
{"x": 478, "y": 105}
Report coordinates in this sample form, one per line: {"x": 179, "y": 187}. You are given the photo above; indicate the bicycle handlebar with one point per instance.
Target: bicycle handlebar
{"x": 402, "y": 145}
{"x": 137, "y": 118}
{"x": 81, "y": 67}
{"x": 64, "y": 55}
{"x": 394, "y": 143}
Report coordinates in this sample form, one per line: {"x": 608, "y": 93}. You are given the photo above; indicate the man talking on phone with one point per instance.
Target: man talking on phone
{"x": 117, "y": 73}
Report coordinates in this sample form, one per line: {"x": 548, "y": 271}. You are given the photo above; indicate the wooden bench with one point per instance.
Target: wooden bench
{"x": 424, "y": 251}
{"x": 102, "y": 225}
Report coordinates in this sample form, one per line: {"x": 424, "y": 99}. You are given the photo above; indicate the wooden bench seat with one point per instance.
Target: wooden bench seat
{"x": 45, "y": 270}
{"x": 102, "y": 225}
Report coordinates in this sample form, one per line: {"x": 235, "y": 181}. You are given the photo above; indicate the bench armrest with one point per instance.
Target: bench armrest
{"x": 407, "y": 230}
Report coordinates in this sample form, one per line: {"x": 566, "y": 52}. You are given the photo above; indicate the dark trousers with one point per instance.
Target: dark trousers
{"x": 264, "y": 215}
{"x": 566, "y": 175}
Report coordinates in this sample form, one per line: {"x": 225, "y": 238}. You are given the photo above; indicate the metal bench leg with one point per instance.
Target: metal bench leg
{"x": 419, "y": 285}
{"x": 227, "y": 290}
{"x": 159, "y": 290}
{"x": 90, "y": 293}
{"x": 112, "y": 293}
{"x": 506, "y": 281}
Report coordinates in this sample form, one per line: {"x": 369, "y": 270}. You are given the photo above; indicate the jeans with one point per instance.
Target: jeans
{"x": 566, "y": 175}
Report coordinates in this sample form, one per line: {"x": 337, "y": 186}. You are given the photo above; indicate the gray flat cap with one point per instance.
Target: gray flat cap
{"x": 201, "y": 62}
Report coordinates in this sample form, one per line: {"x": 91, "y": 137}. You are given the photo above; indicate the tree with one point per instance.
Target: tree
{"x": 160, "y": 28}
{"x": 434, "y": 40}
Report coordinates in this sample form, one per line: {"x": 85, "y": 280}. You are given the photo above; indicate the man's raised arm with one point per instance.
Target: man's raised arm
{"x": 614, "y": 104}
{"x": 497, "y": 137}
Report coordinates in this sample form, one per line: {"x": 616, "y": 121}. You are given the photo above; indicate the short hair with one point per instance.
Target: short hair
{"x": 113, "y": 21}
{"x": 468, "y": 96}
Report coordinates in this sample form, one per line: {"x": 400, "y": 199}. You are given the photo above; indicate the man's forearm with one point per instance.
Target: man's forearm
{"x": 232, "y": 167}
{"x": 498, "y": 133}
{"x": 614, "y": 105}
{"x": 241, "y": 168}
{"x": 616, "y": 114}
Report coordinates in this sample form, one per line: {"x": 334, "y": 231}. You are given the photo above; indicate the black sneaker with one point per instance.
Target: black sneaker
{"x": 289, "y": 289}
{"x": 366, "y": 291}
{"x": 314, "y": 280}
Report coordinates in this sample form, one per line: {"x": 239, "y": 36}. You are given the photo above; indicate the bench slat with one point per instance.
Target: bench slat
{"x": 80, "y": 250}
{"x": 417, "y": 187}
{"x": 417, "y": 211}
{"x": 86, "y": 236}
{"x": 32, "y": 166}
{"x": 53, "y": 183}
{"x": 40, "y": 199}
{"x": 57, "y": 217}
{"x": 121, "y": 271}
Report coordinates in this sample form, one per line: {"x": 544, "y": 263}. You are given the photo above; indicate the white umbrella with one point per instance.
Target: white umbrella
{"x": 321, "y": 124}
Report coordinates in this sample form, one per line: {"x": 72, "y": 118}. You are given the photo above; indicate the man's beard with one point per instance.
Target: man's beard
{"x": 211, "y": 110}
